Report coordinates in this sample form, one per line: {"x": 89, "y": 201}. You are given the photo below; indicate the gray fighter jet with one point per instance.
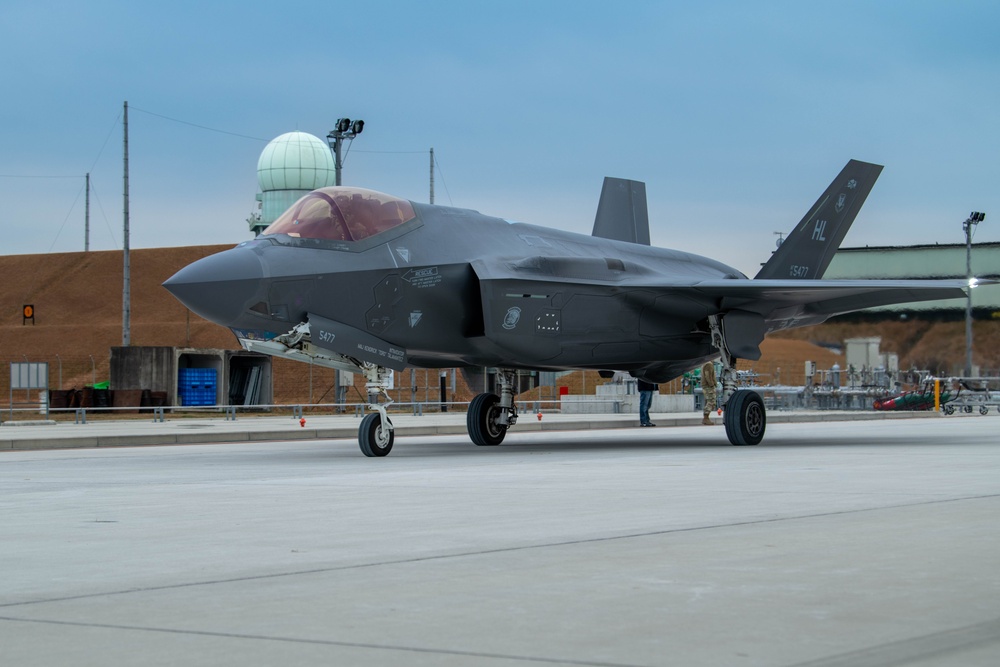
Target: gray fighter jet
{"x": 358, "y": 280}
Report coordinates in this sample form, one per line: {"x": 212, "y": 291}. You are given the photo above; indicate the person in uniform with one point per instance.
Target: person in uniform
{"x": 646, "y": 390}
{"x": 708, "y": 391}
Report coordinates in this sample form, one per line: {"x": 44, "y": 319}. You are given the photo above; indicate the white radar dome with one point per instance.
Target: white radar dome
{"x": 295, "y": 161}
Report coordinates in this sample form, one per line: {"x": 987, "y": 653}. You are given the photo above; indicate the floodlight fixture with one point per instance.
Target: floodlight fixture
{"x": 345, "y": 129}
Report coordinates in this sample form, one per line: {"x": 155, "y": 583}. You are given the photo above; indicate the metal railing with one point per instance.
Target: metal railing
{"x": 297, "y": 410}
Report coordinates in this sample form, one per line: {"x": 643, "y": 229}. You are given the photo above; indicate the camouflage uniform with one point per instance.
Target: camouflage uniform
{"x": 708, "y": 390}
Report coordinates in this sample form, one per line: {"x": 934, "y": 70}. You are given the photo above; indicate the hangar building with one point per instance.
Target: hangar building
{"x": 925, "y": 262}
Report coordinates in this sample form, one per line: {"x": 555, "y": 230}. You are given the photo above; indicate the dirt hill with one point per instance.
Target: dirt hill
{"x": 937, "y": 346}
{"x": 782, "y": 361}
{"x": 77, "y": 298}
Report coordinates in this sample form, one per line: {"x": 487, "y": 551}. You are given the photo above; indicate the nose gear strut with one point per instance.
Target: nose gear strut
{"x": 376, "y": 434}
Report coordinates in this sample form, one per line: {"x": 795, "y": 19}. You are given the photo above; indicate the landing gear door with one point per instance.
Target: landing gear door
{"x": 743, "y": 332}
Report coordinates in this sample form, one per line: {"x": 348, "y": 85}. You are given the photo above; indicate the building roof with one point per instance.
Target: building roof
{"x": 986, "y": 246}
{"x": 923, "y": 262}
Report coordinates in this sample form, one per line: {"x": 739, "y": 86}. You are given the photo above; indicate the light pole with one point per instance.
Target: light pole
{"x": 974, "y": 219}
{"x": 346, "y": 129}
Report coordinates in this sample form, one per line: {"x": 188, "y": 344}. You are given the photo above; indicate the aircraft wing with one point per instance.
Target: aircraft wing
{"x": 813, "y": 299}
{"x": 669, "y": 305}
{"x": 803, "y": 302}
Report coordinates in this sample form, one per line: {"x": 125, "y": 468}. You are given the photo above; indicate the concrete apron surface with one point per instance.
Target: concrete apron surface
{"x": 832, "y": 543}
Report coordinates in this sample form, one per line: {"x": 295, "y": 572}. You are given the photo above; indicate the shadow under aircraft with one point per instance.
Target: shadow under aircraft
{"x": 361, "y": 281}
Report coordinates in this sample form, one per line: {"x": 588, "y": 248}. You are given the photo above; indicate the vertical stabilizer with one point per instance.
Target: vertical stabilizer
{"x": 622, "y": 213}
{"x": 807, "y": 251}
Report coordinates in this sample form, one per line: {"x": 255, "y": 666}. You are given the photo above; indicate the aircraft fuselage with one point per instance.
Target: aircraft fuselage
{"x": 531, "y": 297}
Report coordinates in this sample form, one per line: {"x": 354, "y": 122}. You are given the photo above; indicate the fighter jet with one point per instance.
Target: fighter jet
{"x": 362, "y": 281}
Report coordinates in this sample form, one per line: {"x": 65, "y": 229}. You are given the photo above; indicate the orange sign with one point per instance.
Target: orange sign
{"x": 28, "y": 313}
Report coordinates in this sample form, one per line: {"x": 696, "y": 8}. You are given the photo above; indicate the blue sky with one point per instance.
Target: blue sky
{"x": 735, "y": 114}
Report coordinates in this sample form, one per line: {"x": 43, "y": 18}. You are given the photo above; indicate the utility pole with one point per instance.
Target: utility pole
{"x": 432, "y": 174}
{"x": 127, "y": 289}
{"x": 86, "y": 220}
{"x": 345, "y": 130}
{"x": 974, "y": 219}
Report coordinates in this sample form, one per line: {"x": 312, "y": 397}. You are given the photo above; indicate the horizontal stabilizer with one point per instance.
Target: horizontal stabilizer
{"x": 807, "y": 251}
{"x": 622, "y": 213}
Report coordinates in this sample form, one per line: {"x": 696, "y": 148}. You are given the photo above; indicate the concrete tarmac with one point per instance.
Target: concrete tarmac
{"x": 187, "y": 430}
{"x": 834, "y": 543}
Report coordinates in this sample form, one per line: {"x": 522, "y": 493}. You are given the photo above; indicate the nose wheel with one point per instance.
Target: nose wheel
{"x": 374, "y": 437}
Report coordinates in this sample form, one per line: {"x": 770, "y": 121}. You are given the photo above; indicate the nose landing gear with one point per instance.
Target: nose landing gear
{"x": 375, "y": 436}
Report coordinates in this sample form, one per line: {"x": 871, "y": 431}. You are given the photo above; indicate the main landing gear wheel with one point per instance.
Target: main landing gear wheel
{"x": 373, "y": 439}
{"x": 745, "y": 418}
{"x": 482, "y": 420}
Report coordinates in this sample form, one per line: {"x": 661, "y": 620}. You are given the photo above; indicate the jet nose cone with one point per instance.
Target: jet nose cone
{"x": 219, "y": 287}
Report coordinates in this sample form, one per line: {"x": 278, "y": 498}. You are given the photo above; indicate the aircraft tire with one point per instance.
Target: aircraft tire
{"x": 745, "y": 418}
{"x": 370, "y": 436}
{"x": 481, "y": 421}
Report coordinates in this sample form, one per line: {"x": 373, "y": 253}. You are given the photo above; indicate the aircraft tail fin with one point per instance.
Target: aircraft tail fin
{"x": 622, "y": 213}
{"x": 810, "y": 247}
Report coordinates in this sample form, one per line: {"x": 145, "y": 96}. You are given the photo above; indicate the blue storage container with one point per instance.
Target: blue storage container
{"x": 197, "y": 386}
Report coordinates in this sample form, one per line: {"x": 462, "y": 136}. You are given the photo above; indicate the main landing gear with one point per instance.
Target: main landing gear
{"x": 375, "y": 436}
{"x": 488, "y": 419}
{"x": 490, "y": 415}
{"x": 745, "y": 417}
{"x": 744, "y": 414}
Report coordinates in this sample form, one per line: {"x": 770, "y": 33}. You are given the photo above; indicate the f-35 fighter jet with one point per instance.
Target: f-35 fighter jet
{"x": 358, "y": 280}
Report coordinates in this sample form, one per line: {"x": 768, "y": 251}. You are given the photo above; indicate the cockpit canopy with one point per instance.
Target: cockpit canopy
{"x": 342, "y": 214}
